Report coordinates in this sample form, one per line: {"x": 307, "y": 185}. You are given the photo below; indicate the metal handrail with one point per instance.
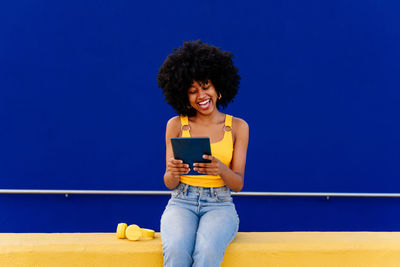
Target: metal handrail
{"x": 163, "y": 192}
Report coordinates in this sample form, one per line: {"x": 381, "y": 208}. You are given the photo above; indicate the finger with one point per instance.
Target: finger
{"x": 172, "y": 160}
{"x": 209, "y": 171}
{"x": 184, "y": 170}
{"x": 199, "y": 170}
{"x": 181, "y": 166}
{"x": 178, "y": 165}
{"x": 208, "y": 157}
{"x": 203, "y": 165}
{"x": 176, "y": 161}
{"x": 180, "y": 170}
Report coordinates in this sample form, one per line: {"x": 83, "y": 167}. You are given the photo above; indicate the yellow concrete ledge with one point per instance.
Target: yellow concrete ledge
{"x": 248, "y": 249}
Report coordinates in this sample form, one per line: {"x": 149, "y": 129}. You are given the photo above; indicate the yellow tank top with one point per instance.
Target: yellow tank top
{"x": 222, "y": 150}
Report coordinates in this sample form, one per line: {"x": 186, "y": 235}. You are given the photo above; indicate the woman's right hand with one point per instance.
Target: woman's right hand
{"x": 176, "y": 167}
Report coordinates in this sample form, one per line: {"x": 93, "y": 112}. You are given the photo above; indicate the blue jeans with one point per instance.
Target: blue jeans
{"x": 197, "y": 226}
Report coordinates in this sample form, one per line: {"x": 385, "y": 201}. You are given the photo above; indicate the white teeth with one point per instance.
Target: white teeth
{"x": 204, "y": 102}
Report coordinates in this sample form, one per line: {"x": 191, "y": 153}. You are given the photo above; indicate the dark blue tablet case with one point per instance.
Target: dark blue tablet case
{"x": 191, "y": 150}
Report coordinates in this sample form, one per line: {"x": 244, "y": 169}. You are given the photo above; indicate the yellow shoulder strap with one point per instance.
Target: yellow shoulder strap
{"x": 185, "y": 122}
{"x": 228, "y": 120}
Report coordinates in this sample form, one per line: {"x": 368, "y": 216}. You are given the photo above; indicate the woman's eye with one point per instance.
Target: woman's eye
{"x": 204, "y": 84}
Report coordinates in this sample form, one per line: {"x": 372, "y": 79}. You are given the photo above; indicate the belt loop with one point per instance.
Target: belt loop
{"x": 212, "y": 192}
{"x": 185, "y": 189}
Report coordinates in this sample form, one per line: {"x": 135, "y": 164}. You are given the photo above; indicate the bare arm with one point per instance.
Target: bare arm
{"x": 235, "y": 178}
{"x": 174, "y": 168}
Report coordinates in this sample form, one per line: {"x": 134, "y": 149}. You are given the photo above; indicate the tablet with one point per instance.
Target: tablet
{"x": 191, "y": 150}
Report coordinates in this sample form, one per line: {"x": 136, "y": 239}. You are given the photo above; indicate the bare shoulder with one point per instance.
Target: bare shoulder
{"x": 174, "y": 121}
{"x": 173, "y": 126}
{"x": 239, "y": 124}
{"x": 240, "y": 130}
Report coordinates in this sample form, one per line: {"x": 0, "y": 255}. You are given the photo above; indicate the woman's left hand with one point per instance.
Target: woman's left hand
{"x": 215, "y": 167}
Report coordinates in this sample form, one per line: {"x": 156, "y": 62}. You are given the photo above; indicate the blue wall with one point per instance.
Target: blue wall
{"x": 80, "y": 108}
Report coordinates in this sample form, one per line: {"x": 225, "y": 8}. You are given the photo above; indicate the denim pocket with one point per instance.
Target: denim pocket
{"x": 224, "y": 194}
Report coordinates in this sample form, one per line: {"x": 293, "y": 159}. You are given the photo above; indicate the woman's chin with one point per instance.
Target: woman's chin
{"x": 207, "y": 111}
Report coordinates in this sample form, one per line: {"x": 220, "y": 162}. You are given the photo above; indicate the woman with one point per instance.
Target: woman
{"x": 200, "y": 219}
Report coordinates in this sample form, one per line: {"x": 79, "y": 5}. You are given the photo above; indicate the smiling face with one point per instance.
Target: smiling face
{"x": 203, "y": 97}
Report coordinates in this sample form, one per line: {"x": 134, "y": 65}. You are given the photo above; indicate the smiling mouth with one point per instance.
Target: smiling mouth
{"x": 204, "y": 104}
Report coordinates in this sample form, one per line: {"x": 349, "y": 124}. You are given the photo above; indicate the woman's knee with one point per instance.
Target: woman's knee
{"x": 207, "y": 248}
{"x": 175, "y": 255}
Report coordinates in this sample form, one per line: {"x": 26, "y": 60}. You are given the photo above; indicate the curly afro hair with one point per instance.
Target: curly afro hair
{"x": 197, "y": 61}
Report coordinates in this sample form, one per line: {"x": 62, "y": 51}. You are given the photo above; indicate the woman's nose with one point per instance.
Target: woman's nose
{"x": 201, "y": 93}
